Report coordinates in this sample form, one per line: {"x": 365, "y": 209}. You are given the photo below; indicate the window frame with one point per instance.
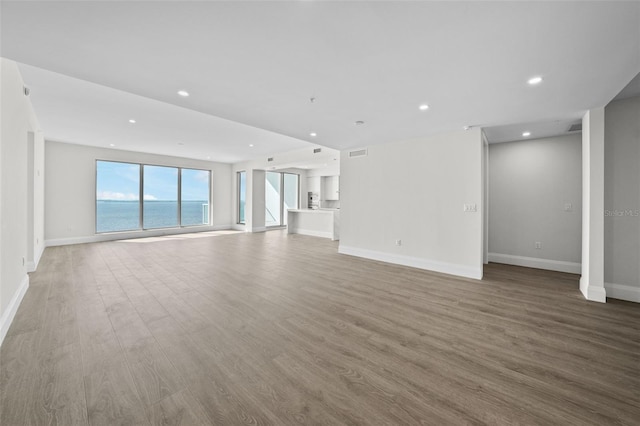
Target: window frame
{"x": 141, "y": 227}
{"x": 239, "y": 193}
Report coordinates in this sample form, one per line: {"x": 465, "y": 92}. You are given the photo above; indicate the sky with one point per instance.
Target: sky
{"x": 121, "y": 181}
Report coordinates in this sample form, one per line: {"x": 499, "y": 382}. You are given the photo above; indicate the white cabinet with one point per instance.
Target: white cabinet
{"x": 313, "y": 184}
{"x": 331, "y": 188}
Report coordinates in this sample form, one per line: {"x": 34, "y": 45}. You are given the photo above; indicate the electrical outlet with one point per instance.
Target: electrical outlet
{"x": 398, "y": 242}
{"x": 538, "y": 245}
{"x": 568, "y": 207}
{"x": 470, "y": 208}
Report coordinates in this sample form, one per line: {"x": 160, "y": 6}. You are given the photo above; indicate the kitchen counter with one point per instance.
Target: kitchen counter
{"x": 317, "y": 223}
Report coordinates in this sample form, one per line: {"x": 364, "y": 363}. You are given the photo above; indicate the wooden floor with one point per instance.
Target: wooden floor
{"x": 277, "y": 329}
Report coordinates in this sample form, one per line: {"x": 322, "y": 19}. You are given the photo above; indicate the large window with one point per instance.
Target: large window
{"x": 242, "y": 196}
{"x": 160, "y": 207}
{"x": 117, "y": 196}
{"x": 281, "y": 194}
{"x": 194, "y": 194}
{"x": 171, "y": 196}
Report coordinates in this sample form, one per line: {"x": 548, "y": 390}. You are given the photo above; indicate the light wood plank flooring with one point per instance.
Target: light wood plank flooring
{"x": 277, "y": 329}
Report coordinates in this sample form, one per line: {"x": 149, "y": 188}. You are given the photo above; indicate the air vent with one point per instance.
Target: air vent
{"x": 26, "y": 90}
{"x": 575, "y": 127}
{"x": 317, "y": 150}
{"x": 358, "y": 153}
{"x": 270, "y": 159}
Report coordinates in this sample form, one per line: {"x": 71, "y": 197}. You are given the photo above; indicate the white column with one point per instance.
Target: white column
{"x": 257, "y": 201}
{"x": 592, "y": 280}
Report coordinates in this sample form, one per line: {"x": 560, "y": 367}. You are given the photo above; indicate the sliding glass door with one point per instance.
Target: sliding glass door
{"x": 282, "y": 192}
{"x": 272, "y": 202}
{"x": 290, "y": 194}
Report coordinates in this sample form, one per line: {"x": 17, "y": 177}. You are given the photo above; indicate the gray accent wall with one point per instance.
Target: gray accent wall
{"x": 531, "y": 185}
{"x": 622, "y": 193}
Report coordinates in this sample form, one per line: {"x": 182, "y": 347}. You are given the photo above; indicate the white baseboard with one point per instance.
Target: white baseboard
{"x": 32, "y": 265}
{"x": 623, "y": 292}
{"x": 112, "y": 236}
{"x": 592, "y": 292}
{"x": 12, "y": 308}
{"x": 415, "y": 262}
{"x": 313, "y": 233}
{"x": 534, "y": 262}
{"x": 259, "y": 229}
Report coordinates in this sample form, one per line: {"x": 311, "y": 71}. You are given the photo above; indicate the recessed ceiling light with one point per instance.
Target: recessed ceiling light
{"x": 112, "y": 144}
{"x": 183, "y": 93}
{"x": 359, "y": 123}
{"x": 132, "y": 121}
{"x": 423, "y": 107}
{"x": 525, "y": 134}
{"x": 535, "y": 80}
{"x": 313, "y": 134}
{"x": 250, "y": 145}
{"x": 208, "y": 158}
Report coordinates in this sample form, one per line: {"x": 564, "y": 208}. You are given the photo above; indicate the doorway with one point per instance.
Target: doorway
{"x": 282, "y": 192}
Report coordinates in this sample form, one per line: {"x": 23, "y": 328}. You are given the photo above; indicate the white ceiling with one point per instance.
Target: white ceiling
{"x": 513, "y": 132}
{"x": 258, "y": 63}
{"x": 630, "y": 90}
{"x": 77, "y": 111}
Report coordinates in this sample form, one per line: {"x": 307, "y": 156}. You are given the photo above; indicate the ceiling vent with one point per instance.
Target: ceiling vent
{"x": 317, "y": 150}
{"x": 575, "y": 127}
{"x": 270, "y": 159}
{"x": 358, "y": 153}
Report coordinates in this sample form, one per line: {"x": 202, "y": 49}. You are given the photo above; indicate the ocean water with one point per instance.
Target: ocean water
{"x": 125, "y": 215}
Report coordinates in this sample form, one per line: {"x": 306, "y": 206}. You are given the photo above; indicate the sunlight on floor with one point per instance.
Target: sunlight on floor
{"x": 181, "y": 236}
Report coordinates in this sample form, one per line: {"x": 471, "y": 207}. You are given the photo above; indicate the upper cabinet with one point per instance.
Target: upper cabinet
{"x": 331, "y": 188}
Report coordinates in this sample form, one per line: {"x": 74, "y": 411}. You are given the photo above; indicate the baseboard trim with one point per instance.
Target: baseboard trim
{"x": 32, "y": 265}
{"x": 12, "y": 308}
{"x": 534, "y": 262}
{"x": 415, "y": 262}
{"x": 312, "y": 233}
{"x": 130, "y": 235}
{"x": 259, "y": 229}
{"x": 592, "y": 292}
{"x": 623, "y": 292}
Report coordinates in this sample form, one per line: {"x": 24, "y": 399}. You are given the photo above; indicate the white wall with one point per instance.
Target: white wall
{"x": 17, "y": 221}
{"x": 622, "y": 199}
{"x": 35, "y": 198}
{"x": 70, "y": 191}
{"x": 529, "y": 184}
{"x": 592, "y": 278}
{"x": 414, "y": 191}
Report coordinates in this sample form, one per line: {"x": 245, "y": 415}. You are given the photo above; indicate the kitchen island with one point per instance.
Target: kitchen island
{"x": 315, "y": 222}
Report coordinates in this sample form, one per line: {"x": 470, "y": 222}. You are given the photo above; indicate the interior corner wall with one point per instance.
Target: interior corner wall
{"x": 530, "y": 185}
{"x": 622, "y": 199}
{"x": 592, "y": 265}
{"x": 414, "y": 191}
{"x": 17, "y": 121}
{"x": 71, "y": 192}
